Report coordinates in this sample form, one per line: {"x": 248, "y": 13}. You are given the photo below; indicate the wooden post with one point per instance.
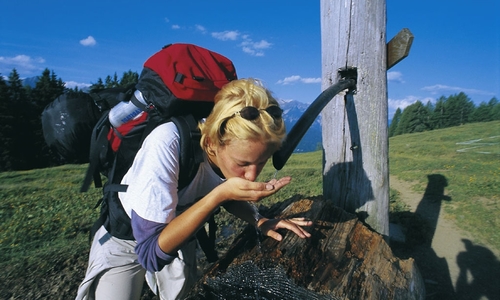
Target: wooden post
{"x": 355, "y": 138}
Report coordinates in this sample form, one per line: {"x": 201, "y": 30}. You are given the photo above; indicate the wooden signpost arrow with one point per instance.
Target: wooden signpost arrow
{"x": 399, "y": 47}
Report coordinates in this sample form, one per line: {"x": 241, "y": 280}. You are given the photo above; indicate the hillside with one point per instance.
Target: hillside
{"x": 45, "y": 220}
{"x": 462, "y": 165}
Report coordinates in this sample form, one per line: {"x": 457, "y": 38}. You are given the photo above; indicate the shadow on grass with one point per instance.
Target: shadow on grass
{"x": 479, "y": 273}
{"x": 479, "y": 268}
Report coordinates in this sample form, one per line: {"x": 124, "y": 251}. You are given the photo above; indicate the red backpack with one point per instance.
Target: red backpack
{"x": 178, "y": 81}
{"x": 177, "y": 84}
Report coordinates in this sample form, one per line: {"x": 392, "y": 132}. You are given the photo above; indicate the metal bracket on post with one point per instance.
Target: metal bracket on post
{"x": 349, "y": 73}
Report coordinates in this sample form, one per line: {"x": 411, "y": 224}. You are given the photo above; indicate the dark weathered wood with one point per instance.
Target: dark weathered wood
{"x": 399, "y": 47}
{"x": 354, "y": 127}
{"x": 343, "y": 259}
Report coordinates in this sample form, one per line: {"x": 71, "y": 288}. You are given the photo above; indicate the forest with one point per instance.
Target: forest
{"x": 454, "y": 110}
{"x": 23, "y": 146}
{"x": 21, "y": 136}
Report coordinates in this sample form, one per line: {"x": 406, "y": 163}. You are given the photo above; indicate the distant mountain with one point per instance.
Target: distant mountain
{"x": 30, "y": 81}
{"x": 292, "y": 111}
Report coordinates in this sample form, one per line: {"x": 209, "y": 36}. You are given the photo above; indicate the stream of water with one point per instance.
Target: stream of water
{"x": 259, "y": 249}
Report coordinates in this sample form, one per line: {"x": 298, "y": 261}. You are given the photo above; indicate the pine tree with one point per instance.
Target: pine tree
{"x": 129, "y": 78}
{"x": 413, "y": 119}
{"x": 48, "y": 88}
{"x": 115, "y": 80}
{"x": 6, "y": 126}
{"x": 494, "y": 106}
{"x": 430, "y": 107}
{"x": 438, "y": 116}
{"x": 111, "y": 82}
{"x": 108, "y": 82}
{"x": 98, "y": 86}
{"x": 395, "y": 122}
{"x": 22, "y": 111}
{"x": 482, "y": 113}
{"x": 458, "y": 107}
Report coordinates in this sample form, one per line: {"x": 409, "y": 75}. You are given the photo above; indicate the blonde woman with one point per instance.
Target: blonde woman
{"x": 242, "y": 132}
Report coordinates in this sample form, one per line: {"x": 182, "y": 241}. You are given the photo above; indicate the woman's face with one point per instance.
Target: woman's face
{"x": 242, "y": 158}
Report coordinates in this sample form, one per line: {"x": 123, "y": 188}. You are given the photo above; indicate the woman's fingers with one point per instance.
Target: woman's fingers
{"x": 270, "y": 226}
{"x": 242, "y": 189}
{"x": 295, "y": 226}
{"x": 280, "y": 182}
{"x": 301, "y": 221}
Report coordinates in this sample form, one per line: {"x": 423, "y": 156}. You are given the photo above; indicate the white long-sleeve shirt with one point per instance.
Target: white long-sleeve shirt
{"x": 152, "y": 199}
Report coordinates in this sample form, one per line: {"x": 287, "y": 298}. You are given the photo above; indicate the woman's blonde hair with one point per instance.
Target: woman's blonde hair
{"x": 225, "y": 124}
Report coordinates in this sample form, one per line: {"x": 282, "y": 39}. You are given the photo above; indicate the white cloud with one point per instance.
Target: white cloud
{"x": 73, "y": 84}
{"x": 167, "y": 20}
{"x": 394, "y": 104}
{"x": 311, "y": 80}
{"x": 395, "y": 76}
{"x": 262, "y": 45}
{"x": 251, "y": 51}
{"x": 440, "y": 88}
{"x": 228, "y": 35}
{"x": 402, "y": 103}
{"x": 247, "y": 45}
{"x": 201, "y": 29}
{"x": 88, "y": 42}
{"x": 254, "y": 48}
{"x": 176, "y": 27}
{"x": 296, "y": 78}
{"x": 22, "y": 63}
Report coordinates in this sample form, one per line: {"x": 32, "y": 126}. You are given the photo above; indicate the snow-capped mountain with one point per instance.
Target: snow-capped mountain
{"x": 292, "y": 111}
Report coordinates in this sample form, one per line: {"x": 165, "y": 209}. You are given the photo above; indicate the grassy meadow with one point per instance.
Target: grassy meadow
{"x": 468, "y": 157}
{"x": 44, "y": 219}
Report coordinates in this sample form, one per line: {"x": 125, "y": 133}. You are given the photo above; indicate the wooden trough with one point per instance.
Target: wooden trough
{"x": 343, "y": 259}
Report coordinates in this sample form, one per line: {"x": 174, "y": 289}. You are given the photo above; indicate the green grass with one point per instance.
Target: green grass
{"x": 43, "y": 209}
{"x": 43, "y": 215}
{"x": 473, "y": 174}
{"x": 306, "y": 172}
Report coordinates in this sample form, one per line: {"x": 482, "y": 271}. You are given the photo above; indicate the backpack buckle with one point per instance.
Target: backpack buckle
{"x": 178, "y": 77}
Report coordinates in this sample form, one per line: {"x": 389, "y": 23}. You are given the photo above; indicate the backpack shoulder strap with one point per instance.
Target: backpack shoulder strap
{"x": 98, "y": 146}
{"x": 191, "y": 154}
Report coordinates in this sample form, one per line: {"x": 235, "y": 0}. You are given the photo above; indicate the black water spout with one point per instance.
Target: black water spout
{"x": 348, "y": 79}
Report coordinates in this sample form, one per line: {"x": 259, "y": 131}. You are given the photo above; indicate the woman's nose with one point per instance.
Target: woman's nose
{"x": 251, "y": 173}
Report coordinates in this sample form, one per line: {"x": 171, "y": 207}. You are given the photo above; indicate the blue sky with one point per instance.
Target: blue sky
{"x": 456, "y": 46}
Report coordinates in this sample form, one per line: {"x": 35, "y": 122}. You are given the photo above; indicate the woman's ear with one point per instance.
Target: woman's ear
{"x": 211, "y": 147}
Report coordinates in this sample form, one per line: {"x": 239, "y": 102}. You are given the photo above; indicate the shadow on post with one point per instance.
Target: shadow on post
{"x": 346, "y": 183}
{"x": 344, "y": 177}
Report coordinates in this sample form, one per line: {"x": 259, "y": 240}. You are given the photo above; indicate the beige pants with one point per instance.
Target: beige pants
{"x": 114, "y": 273}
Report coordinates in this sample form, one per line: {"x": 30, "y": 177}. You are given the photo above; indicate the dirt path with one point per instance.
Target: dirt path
{"x": 452, "y": 264}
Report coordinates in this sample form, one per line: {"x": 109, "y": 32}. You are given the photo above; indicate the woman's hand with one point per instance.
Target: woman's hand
{"x": 236, "y": 188}
{"x": 269, "y": 227}
{"x": 244, "y": 190}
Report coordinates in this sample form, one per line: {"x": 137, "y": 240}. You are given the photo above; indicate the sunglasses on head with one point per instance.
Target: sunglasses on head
{"x": 251, "y": 113}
